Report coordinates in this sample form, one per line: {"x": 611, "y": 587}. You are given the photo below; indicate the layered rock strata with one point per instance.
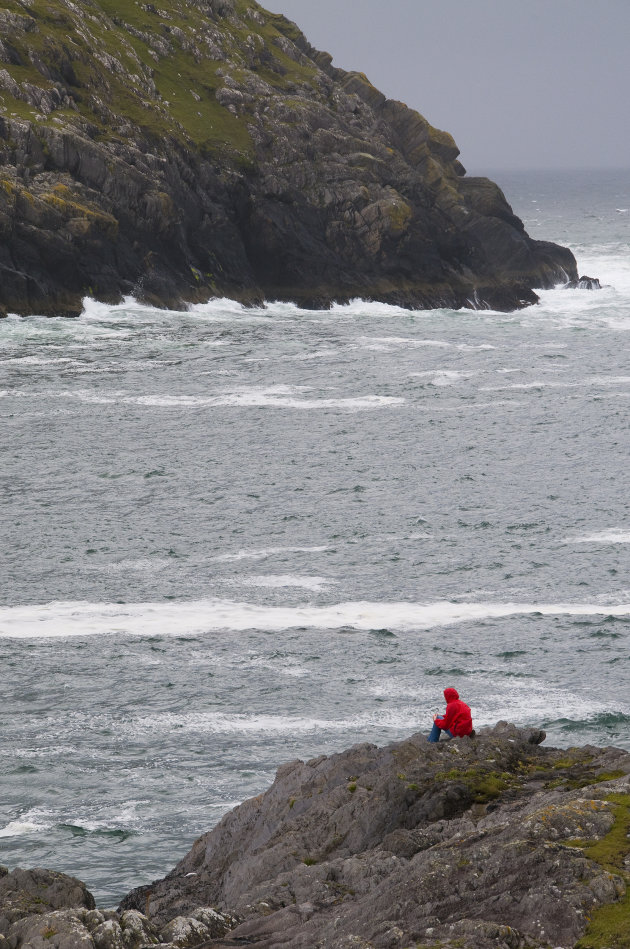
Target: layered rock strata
{"x": 487, "y": 842}
{"x": 202, "y": 147}
{"x": 494, "y": 842}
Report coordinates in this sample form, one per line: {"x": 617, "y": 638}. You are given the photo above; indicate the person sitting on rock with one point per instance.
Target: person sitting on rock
{"x": 456, "y": 721}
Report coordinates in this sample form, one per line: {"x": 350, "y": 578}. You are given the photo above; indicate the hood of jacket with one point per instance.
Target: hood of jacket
{"x": 451, "y": 694}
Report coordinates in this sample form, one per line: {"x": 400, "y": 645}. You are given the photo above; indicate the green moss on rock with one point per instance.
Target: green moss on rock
{"x": 609, "y": 925}
{"x": 483, "y": 783}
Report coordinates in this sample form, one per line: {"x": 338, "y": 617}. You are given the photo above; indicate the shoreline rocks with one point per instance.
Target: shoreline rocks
{"x": 584, "y": 283}
{"x": 43, "y": 908}
{"x": 209, "y": 150}
{"x": 491, "y": 841}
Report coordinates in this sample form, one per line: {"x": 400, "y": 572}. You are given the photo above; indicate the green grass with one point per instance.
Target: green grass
{"x": 609, "y": 926}
{"x": 612, "y": 849}
{"x": 122, "y": 29}
{"x": 484, "y": 784}
{"x": 16, "y": 107}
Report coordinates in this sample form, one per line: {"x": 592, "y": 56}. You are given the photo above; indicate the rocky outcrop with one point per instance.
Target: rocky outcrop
{"x": 491, "y": 842}
{"x": 477, "y": 842}
{"x": 584, "y": 283}
{"x": 190, "y": 149}
{"x": 41, "y": 909}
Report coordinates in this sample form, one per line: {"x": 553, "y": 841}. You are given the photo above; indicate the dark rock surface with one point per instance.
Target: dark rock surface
{"x": 584, "y": 283}
{"x": 491, "y": 841}
{"x": 202, "y": 147}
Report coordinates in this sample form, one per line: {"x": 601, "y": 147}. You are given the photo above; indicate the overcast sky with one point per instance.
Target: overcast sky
{"x": 518, "y": 83}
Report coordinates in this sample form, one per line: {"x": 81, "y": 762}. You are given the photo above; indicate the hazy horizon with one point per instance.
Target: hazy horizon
{"x": 536, "y": 86}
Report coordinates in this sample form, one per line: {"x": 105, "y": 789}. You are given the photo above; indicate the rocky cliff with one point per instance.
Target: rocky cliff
{"x": 192, "y": 148}
{"x": 491, "y": 842}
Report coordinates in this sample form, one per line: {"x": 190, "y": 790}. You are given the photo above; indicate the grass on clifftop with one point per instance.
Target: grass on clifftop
{"x": 156, "y": 67}
{"x": 609, "y": 926}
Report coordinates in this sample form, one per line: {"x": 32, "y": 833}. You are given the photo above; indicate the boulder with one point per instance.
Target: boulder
{"x": 584, "y": 283}
{"x": 27, "y": 892}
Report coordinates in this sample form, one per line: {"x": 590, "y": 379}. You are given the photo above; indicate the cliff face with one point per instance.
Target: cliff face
{"x": 202, "y": 147}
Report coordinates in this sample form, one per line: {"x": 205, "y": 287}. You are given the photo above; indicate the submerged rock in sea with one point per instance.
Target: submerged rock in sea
{"x": 186, "y": 150}
{"x": 494, "y": 842}
{"x": 584, "y": 283}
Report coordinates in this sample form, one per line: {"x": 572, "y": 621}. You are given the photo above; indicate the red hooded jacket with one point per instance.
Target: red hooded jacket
{"x": 457, "y": 718}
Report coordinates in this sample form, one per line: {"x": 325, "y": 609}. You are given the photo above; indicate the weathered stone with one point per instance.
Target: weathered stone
{"x": 108, "y": 935}
{"x": 276, "y": 175}
{"x": 473, "y": 842}
{"x": 24, "y": 892}
{"x": 137, "y": 931}
{"x": 62, "y": 929}
{"x": 481, "y": 842}
{"x": 216, "y": 924}
{"x": 584, "y": 283}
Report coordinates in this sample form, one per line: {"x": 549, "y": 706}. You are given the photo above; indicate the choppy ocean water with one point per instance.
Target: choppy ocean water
{"x": 234, "y": 537}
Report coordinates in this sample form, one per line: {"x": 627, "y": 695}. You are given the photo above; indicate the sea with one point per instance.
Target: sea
{"x": 235, "y": 537}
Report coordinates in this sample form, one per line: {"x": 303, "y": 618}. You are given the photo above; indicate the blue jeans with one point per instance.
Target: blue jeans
{"x": 435, "y": 733}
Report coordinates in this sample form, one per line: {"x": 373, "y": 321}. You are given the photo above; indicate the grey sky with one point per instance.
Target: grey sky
{"x": 518, "y": 83}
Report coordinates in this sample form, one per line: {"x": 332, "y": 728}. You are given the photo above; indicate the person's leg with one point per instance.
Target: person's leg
{"x": 435, "y": 734}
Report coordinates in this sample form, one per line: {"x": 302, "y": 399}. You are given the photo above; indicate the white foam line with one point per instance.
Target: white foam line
{"x": 218, "y": 723}
{"x": 35, "y": 360}
{"x": 276, "y": 581}
{"x": 532, "y": 385}
{"x": 603, "y": 537}
{"x": 265, "y": 399}
{"x": 193, "y": 618}
{"x": 32, "y": 822}
{"x": 275, "y": 397}
{"x": 443, "y": 377}
{"x": 265, "y": 552}
{"x": 403, "y": 341}
{"x": 607, "y": 380}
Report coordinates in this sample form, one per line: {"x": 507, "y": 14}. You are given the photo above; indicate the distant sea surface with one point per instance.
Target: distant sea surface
{"x": 235, "y": 537}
